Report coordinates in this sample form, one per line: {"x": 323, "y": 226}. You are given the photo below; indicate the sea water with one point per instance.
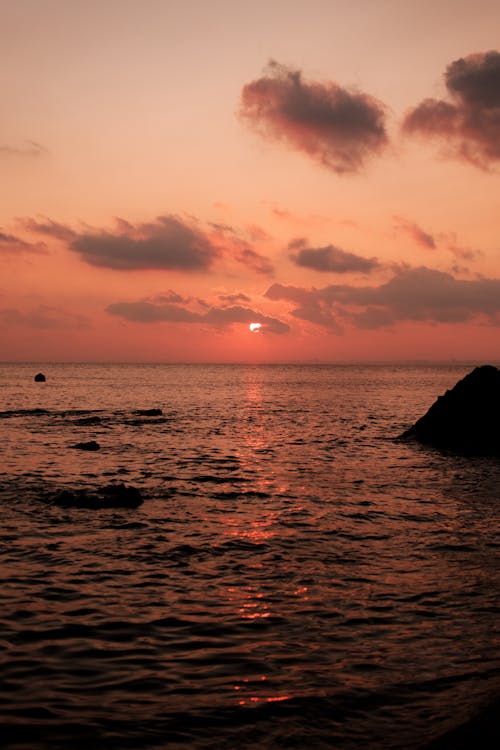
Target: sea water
{"x": 296, "y": 576}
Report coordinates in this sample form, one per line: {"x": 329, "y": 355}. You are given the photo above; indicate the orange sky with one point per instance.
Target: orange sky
{"x": 172, "y": 171}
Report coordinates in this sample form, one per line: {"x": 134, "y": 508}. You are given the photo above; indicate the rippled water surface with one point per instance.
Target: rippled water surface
{"x": 294, "y": 578}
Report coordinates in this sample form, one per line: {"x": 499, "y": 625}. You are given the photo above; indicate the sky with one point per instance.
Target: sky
{"x": 175, "y": 171}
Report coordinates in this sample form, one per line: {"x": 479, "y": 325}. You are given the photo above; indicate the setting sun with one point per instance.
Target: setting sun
{"x": 255, "y": 327}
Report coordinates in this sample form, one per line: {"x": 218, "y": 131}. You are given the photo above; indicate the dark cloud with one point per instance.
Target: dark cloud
{"x": 222, "y": 316}
{"x": 44, "y": 317}
{"x": 219, "y": 317}
{"x": 422, "y": 238}
{"x": 11, "y": 244}
{"x": 418, "y": 294}
{"x": 337, "y": 127}
{"x": 330, "y": 259}
{"x": 166, "y": 243}
{"x": 469, "y": 123}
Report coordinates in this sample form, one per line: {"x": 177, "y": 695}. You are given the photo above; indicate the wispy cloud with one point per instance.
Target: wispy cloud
{"x": 421, "y": 237}
{"x": 234, "y": 244}
{"x": 469, "y": 122}
{"x": 335, "y": 126}
{"x": 234, "y": 298}
{"x": 12, "y": 244}
{"x": 29, "y": 149}
{"x": 44, "y": 317}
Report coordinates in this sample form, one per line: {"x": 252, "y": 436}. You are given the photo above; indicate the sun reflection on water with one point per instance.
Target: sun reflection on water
{"x": 252, "y": 686}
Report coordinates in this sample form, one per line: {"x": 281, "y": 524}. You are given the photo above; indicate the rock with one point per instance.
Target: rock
{"x": 110, "y": 496}
{"x": 40, "y": 378}
{"x": 88, "y": 421}
{"x": 91, "y": 445}
{"x": 149, "y": 412}
{"x": 466, "y": 419}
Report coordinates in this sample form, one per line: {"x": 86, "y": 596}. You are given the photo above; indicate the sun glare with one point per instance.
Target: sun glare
{"x": 255, "y": 327}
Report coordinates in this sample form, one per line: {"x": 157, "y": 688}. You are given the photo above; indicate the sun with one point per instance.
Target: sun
{"x": 255, "y": 327}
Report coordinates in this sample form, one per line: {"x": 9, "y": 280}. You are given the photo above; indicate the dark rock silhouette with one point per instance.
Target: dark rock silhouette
{"x": 86, "y": 421}
{"x": 110, "y": 496}
{"x": 466, "y": 419}
{"x": 91, "y": 445}
{"x": 40, "y": 378}
{"x": 149, "y": 412}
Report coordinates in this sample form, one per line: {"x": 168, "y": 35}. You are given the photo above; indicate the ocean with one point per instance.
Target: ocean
{"x": 295, "y": 577}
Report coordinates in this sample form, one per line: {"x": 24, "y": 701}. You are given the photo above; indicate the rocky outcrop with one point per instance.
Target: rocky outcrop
{"x": 149, "y": 412}
{"x": 40, "y": 378}
{"x": 100, "y": 498}
{"x": 91, "y": 445}
{"x": 466, "y": 419}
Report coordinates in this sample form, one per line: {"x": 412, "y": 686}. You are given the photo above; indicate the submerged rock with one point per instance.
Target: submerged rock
{"x": 88, "y": 421}
{"x": 40, "y": 378}
{"x": 110, "y": 496}
{"x": 466, "y": 419}
{"x": 91, "y": 445}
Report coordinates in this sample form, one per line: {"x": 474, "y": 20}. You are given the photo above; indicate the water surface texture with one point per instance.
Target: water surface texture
{"x": 295, "y": 577}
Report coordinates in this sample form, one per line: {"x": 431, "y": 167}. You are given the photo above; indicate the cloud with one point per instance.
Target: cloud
{"x": 469, "y": 123}
{"x": 44, "y": 317}
{"x": 11, "y": 244}
{"x": 422, "y": 238}
{"x": 337, "y": 127}
{"x": 255, "y": 261}
{"x": 153, "y": 312}
{"x": 48, "y": 228}
{"x": 166, "y": 243}
{"x": 330, "y": 259}
{"x": 417, "y": 294}
{"x": 233, "y": 244}
{"x": 170, "y": 296}
{"x": 219, "y": 317}
{"x": 233, "y": 298}
{"x": 30, "y": 149}
{"x": 222, "y": 316}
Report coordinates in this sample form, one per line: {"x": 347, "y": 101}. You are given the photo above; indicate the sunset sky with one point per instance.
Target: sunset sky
{"x": 173, "y": 171}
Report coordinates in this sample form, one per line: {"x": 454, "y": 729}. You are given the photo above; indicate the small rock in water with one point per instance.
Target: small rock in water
{"x": 91, "y": 445}
{"x": 110, "y": 496}
{"x": 149, "y": 412}
{"x": 466, "y": 419}
{"x": 40, "y": 378}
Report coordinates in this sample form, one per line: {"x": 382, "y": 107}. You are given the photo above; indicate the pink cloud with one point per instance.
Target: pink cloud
{"x": 421, "y": 237}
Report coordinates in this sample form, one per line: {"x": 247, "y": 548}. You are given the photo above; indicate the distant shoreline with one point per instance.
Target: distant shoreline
{"x": 290, "y": 363}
